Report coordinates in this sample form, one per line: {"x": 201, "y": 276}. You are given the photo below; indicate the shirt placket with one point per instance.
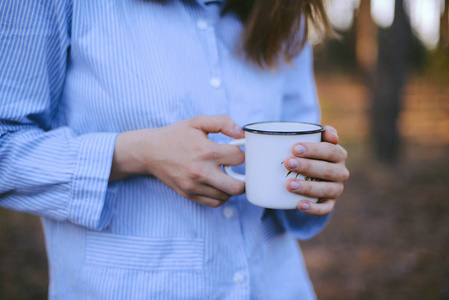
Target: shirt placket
{"x": 205, "y": 26}
{"x": 229, "y": 217}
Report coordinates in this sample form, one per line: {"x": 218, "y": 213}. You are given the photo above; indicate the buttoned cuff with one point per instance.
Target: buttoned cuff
{"x": 93, "y": 198}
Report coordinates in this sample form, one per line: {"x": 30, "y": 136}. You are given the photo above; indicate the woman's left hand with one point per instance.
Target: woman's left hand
{"x": 326, "y": 161}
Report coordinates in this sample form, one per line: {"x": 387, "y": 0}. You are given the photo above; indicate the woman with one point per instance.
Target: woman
{"x": 109, "y": 117}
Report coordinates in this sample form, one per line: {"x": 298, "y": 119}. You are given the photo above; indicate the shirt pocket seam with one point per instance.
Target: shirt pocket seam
{"x": 144, "y": 253}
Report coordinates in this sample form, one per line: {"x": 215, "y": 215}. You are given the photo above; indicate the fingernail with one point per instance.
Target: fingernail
{"x": 294, "y": 185}
{"x": 333, "y": 131}
{"x": 299, "y": 149}
{"x": 305, "y": 206}
{"x": 238, "y": 130}
{"x": 292, "y": 163}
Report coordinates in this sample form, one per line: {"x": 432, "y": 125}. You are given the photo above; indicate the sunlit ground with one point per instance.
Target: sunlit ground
{"x": 424, "y": 119}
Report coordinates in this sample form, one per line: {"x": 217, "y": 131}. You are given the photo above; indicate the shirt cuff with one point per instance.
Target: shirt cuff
{"x": 91, "y": 204}
{"x": 301, "y": 225}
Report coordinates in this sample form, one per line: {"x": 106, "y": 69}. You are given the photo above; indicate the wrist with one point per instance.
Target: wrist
{"x": 126, "y": 160}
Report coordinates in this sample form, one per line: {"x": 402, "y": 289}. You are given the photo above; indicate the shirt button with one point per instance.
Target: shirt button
{"x": 215, "y": 82}
{"x": 201, "y": 24}
{"x": 228, "y": 212}
{"x": 238, "y": 278}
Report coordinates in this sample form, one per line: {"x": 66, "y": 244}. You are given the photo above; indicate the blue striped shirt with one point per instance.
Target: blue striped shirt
{"x": 74, "y": 74}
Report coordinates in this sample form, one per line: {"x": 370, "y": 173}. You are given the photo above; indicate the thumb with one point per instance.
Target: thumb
{"x": 220, "y": 123}
{"x": 330, "y": 135}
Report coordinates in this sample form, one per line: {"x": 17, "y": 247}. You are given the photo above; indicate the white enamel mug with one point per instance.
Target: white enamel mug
{"x": 267, "y": 145}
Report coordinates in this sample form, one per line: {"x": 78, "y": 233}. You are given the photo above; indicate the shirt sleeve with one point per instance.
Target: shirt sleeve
{"x": 53, "y": 173}
{"x": 300, "y": 103}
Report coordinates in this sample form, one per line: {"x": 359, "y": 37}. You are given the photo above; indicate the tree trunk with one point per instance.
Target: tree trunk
{"x": 388, "y": 86}
{"x": 444, "y": 27}
{"x": 366, "y": 41}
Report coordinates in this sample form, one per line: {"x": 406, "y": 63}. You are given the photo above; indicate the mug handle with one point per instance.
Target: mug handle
{"x": 227, "y": 169}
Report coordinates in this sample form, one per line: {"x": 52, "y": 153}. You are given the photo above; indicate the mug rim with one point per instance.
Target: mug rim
{"x": 270, "y": 132}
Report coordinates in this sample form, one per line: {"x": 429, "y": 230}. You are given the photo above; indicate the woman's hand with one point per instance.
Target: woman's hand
{"x": 326, "y": 161}
{"x": 183, "y": 158}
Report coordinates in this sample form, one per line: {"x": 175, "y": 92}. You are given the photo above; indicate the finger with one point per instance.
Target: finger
{"x": 230, "y": 155}
{"x": 315, "y": 189}
{"x": 199, "y": 185}
{"x": 317, "y": 169}
{"x": 226, "y": 183}
{"x": 323, "y": 151}
{"x": 220, "y": 123}
{"x": 317, "y": 209}
{"x": 212, "y": 192}
{"x": 221, "y": 154}
{"x": 330, "y": 135}
{"x": 207, "y": 201}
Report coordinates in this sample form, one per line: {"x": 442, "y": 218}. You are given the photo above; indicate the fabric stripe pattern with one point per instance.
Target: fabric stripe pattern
{"x": 76, "y": 73}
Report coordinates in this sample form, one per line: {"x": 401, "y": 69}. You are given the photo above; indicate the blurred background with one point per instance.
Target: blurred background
{"x": 384, "y": 84}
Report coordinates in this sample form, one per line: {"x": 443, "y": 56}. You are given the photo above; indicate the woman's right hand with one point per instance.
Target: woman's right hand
{"x": 183, "y": 158}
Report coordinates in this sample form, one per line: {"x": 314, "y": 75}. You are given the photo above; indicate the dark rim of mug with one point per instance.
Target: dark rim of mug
{"x": 259, "y": 131}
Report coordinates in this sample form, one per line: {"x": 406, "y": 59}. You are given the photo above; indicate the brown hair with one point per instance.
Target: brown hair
{"x": 273, "y": 28}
